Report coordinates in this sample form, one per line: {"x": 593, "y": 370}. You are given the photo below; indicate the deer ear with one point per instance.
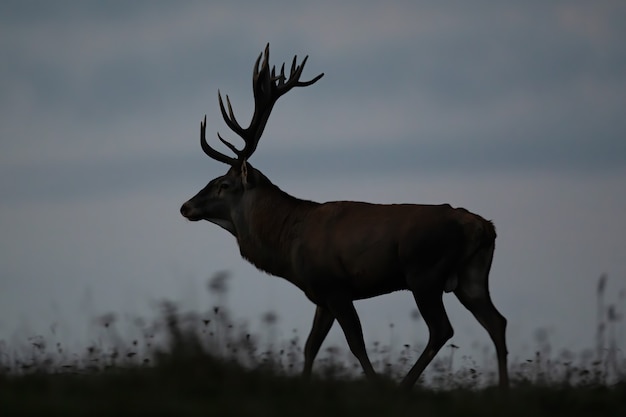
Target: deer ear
{"x": 249, "y": 177}
{"x": 244, "y": 173}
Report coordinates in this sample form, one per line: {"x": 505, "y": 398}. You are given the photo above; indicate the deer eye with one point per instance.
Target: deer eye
{"x": 224, "y": 186}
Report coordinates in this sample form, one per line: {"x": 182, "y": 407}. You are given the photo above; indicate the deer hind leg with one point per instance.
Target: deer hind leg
{"x": 345, "y": 313}
{"x": 430, "y": 305}
{"x": 322, "y": 322}
{"x": 473, "y": 292}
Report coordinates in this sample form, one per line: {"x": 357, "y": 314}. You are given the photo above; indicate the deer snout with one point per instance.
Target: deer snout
{"x": 186, "y": 210}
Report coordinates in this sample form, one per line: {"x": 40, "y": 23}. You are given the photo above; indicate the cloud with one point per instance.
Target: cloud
{"x": 96, "y": 88}
{"x": 512, "y": 109}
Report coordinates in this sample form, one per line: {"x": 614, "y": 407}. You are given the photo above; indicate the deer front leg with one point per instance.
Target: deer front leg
{"x": 322, "y": 322}
{"x": 346, "y": 315}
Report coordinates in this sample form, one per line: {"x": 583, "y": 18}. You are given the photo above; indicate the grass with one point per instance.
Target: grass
{"x": 186, "y": 363}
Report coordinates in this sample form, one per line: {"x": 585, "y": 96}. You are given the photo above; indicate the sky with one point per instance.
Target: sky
{"x": 513, "y": 110}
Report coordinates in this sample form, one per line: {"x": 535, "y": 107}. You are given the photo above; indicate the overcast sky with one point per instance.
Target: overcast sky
{"x": 513, "y": 110}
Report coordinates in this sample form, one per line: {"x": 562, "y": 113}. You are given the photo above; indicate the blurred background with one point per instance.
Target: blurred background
{"x": 515, "y": 111}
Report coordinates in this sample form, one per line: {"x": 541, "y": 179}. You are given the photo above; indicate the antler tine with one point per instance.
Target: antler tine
{"x": 258, "y": 66}
{"x": 256, "y": 70}
{"x": 282, "y": 77}
{"x": 293, "y": 64}
{"x": 267, "y": 55}
{"x": 228, "y": 144}
{"x": 213, "y": 153}
{"x": 229, "y": 118}
{"x": 232, "y": 123}
{"x": 294, "y": 77}
{"x": 261, "y": 79}
{"x": 299, "y": 72}
{"x": 307, "y": 83}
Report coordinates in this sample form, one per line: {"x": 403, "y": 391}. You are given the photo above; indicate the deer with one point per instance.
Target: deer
{"x": 342, "y": 251}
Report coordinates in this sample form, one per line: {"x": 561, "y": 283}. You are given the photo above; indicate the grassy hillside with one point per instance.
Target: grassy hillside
{"x": 189, "y": 364}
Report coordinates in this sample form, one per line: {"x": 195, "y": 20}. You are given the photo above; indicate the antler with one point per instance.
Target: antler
{"x": 267, "y": 88}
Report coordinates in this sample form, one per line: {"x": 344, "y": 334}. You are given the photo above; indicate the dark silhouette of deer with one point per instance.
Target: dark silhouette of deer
{"x": 341, "y": 251}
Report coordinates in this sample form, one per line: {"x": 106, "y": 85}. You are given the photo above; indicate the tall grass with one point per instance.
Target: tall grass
{"x": 190, "y": 362}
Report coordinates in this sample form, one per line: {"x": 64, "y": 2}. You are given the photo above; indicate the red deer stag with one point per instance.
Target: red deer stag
{"x": 342, "y": 251}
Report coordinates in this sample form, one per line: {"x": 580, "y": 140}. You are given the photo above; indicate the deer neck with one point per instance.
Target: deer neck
{"x": 268, "y": 224}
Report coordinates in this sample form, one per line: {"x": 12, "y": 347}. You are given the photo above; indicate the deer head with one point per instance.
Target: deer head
{"x": 220, "y": 201}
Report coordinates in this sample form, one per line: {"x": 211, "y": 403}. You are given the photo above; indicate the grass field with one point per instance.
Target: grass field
{"x": 184, "y": 363}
